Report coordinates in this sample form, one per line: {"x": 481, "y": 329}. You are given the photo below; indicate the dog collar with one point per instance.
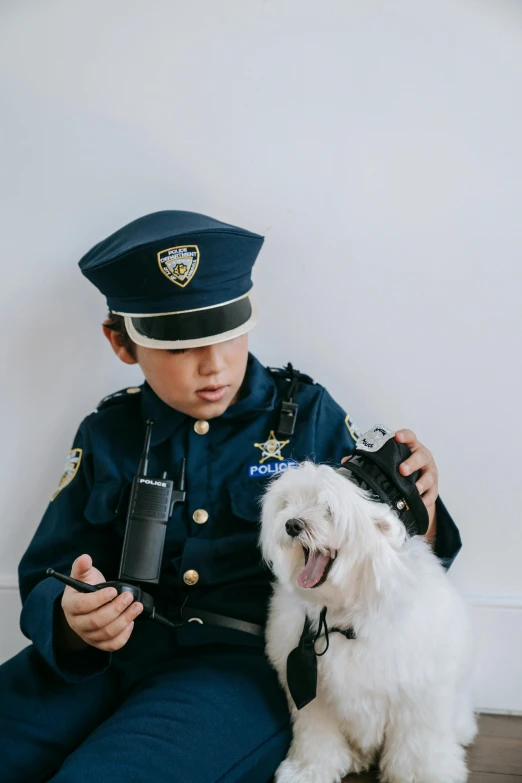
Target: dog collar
{"x": 374, "y": 465}
{"x": 301, "y": 664}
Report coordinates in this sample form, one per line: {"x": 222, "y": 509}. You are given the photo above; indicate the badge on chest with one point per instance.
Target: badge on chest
{"x": 272, "y": 461}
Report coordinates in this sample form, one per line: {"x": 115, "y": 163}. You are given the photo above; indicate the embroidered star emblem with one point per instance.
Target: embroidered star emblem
{"x": 271, "y": 447}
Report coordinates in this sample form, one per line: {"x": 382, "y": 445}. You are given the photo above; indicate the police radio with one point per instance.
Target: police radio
{"x": 151, "y": 504}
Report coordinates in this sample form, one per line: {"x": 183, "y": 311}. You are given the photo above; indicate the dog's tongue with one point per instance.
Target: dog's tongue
{"x": 313, "y": 570}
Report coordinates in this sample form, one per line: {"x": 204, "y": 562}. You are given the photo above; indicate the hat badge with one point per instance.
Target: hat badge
{"x": 375, "y": 438}
{"x": 179, "y": 263}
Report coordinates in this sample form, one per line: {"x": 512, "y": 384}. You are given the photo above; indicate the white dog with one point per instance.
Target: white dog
{"x": 397, "y": 693}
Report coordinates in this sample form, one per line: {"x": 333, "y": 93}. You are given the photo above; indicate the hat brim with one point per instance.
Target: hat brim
{"x": 193, "y": 328}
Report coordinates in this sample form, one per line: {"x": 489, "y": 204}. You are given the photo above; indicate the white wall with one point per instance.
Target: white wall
{"x": 376, "y": 145}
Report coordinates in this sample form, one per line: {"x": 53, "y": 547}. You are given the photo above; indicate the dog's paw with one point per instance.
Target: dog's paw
{"x": 467, "y": 730}
{"x": 446, "y": 766}
{"x": 291, "y": 771}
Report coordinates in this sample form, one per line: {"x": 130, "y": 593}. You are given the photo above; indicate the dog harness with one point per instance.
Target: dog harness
{"x": 301, "y": 664}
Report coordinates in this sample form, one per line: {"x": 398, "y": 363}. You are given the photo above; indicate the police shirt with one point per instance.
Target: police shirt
{"x": 211, "y": 558}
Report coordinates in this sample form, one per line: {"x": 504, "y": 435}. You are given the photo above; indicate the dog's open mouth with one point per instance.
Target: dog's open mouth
{"x": 317, "y": 566}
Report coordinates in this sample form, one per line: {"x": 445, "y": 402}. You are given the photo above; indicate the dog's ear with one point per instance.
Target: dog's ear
{"x": 384, "y": 525}
{"x": 272, "y": 503}
{"x": 385, "y": 560}
{"x": 390, "y": 526}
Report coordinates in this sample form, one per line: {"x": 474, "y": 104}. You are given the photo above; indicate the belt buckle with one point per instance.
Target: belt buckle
{"x": 189, "y": 619}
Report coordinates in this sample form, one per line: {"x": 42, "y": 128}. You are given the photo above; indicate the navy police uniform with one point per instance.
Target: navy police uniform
{"x": 199, "y": 702}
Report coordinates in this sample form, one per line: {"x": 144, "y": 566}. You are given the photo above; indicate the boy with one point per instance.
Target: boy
{"x": 99, "y": 696}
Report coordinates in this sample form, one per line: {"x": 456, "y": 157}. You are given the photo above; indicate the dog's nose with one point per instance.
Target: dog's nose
{"x": 294, "y": 527}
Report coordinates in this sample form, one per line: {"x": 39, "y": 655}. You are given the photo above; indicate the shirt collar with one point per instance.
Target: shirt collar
{"x": 258, "y": 393}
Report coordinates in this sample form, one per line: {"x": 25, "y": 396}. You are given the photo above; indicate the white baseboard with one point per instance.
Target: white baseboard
{"x": 8, "y": 583}
{"x": 494, "y": 602}
{"x": 12, "y": 639}
{"x": 498, "y": 630}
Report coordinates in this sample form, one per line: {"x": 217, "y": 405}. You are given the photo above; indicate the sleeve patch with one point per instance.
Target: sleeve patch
{"x": 352, "y": 429}
{"x": 70, "y": 470}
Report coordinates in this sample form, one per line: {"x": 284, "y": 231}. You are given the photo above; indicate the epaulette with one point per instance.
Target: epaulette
{"x": 119, "y": 396}
{"x": 287, "y": 373}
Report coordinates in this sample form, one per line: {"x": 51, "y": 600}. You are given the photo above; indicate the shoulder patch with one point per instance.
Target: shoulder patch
{"x": 118, "y": 396}
{"x": 72, "y": 463}
{"x": 352, "y": 429}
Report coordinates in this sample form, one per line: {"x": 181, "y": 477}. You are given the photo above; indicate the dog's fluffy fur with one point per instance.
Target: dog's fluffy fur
{"x": 399, "y": 694}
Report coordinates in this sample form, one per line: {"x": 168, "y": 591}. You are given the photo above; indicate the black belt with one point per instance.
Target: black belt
{"x": 187, "y": 614}
{"x": 200, "y": 616}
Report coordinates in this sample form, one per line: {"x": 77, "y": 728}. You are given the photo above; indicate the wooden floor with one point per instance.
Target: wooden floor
{"x": 496, "y": 756}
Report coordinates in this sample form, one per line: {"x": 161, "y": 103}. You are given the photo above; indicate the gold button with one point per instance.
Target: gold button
{"x": 133, "y": 390}
{"x": 201, "y": 426}
{"x": 200, "y": 516}
{"x": 190, "y": 577}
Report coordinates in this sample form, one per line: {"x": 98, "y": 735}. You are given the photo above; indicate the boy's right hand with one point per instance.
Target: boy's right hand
{"x": 95, "y": 618}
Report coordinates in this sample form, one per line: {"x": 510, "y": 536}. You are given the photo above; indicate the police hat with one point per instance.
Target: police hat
{"x": 374, "y": 466}
{"x": 180, "y": 279}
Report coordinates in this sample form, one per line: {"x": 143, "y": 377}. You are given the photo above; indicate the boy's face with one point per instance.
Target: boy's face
{"x": 201, "y": 382}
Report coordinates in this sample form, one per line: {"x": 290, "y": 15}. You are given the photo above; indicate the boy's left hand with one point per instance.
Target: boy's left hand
{"x": 428, "y": 482}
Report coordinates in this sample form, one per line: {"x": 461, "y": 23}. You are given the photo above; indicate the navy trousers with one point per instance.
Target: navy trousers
{"x": 204, "y": 715}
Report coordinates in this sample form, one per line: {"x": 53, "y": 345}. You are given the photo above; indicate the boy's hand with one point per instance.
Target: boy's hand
{"x": 428, "y": 482}
{"x": 95, "y": 618}
{"x": 420, "y": 459}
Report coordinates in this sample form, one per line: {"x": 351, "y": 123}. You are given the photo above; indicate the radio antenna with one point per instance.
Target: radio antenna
{"x": 144, "y": 462}
{"x": 181, "y": 485}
